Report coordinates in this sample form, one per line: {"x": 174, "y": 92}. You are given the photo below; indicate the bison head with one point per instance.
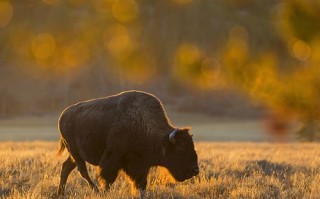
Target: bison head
{"x": 180, "y": 157}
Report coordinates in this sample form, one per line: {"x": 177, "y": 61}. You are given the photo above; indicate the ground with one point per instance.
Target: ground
{"x": 227, "y": 170}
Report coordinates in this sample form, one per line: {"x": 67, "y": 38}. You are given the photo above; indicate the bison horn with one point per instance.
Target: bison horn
{"x": 172, "y": 135}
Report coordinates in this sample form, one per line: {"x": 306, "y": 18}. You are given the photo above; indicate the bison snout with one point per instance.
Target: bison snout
{"x": 195, "y": 171}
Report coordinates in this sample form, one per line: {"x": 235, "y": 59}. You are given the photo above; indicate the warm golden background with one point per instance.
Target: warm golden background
{"x": 224, "y": 58}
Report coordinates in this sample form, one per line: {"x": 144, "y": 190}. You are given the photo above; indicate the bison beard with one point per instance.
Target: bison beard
{"x": 128, "y": 131}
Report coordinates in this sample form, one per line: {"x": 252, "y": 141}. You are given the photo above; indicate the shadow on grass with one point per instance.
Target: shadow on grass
{"x": 269, "y": 168}
{"x": 264, "y": 167}
{"x": 5, "y": 192}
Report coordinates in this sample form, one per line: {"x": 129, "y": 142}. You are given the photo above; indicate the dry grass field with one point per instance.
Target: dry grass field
{"x": 228, "y": 170}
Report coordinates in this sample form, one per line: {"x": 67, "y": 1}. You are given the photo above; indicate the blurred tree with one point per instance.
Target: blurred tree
{"x": 290, "y": 93}
{"x": 298, "y": 21}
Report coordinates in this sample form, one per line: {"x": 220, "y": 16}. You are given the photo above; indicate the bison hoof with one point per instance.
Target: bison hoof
{"x": 95, "y": 189}
{"x": 60, "y": 192}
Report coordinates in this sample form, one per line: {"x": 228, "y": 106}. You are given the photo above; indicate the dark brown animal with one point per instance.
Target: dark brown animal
{"x": 128, "y": 131}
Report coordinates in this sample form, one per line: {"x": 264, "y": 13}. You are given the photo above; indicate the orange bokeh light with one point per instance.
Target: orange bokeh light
{"x": 125, "y": 10}
{"x": 6, "y": 13}
{"x": 43, "y": 46}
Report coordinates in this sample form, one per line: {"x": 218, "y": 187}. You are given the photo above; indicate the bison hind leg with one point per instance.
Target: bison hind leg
{"x": 67, "y": 167}
{"x": 82, "y": 167}
{"x": 84, "y": 173}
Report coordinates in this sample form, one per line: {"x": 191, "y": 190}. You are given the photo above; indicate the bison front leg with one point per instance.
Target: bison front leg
{"x": 139, "y": 176}
{"x": 110, "y": 165}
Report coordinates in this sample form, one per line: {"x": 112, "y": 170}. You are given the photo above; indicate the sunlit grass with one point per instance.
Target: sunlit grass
{"x": 228, "y": 170}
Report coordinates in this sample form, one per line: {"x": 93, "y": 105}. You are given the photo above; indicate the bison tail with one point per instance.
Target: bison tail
{"x": 62, "y": 147}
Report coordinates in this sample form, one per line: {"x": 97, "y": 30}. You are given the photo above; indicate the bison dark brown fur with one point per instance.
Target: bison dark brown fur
{"x": 128, "y": 131}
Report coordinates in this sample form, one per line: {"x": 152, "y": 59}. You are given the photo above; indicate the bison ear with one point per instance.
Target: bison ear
{"x": 187, "y": 130}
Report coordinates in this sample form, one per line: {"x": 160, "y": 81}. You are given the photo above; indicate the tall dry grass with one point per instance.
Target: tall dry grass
{"x": 228, "y": 170}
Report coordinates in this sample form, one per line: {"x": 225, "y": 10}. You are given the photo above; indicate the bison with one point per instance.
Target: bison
{"x": 128, "y": 131}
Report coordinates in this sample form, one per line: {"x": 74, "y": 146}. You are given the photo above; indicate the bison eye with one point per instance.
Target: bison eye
{"x": 180, "y": 150}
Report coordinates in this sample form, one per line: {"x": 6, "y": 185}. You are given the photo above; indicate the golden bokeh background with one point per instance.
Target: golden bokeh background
{"x": 56, "y": 52}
